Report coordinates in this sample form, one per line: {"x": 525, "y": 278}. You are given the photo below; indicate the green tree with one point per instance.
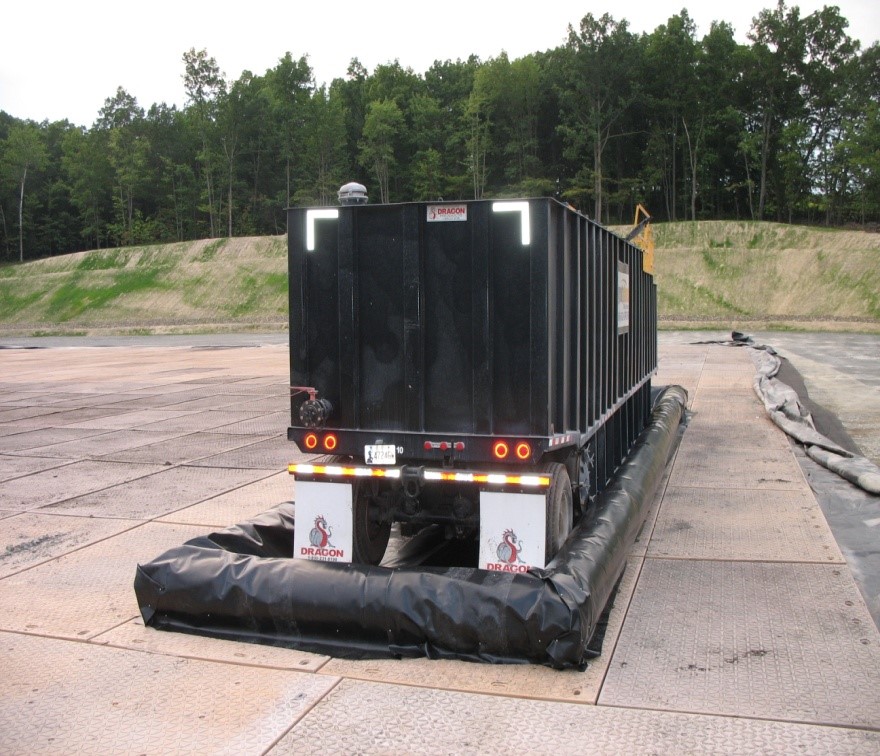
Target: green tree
{"x": 677, "y": 120}
{"x": 24, "y": 153}
{"x": 377, "y": 148}
{"x": 599, "y": 88}
{"x": 128, "y": 150}
{"x": 477, "y": 124}
{"x": 90, "y": 176}
{"x": 324, "y": 158}
{"x": 773, "y": 76}
{"x": 832, "y": 96}
{"x": 290, "y": 86}
{"x": 204, "y": 85}
{"x": 174, "y": 187}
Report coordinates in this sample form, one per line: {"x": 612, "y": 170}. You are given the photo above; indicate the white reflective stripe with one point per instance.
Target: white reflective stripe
{"x": 514, "y": 207}
{"x": 330, "y": 213}
{"x": 530, "y": 480}
{"x": 497, "y": 479}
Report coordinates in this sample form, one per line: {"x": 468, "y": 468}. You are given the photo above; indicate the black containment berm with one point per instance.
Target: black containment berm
{"x": 241, "y": 584}
{"x": 471, "y": 377}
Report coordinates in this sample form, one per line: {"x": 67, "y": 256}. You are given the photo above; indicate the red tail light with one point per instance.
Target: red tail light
{"x": 330, "y": 441}
{"x": 311, "y": 441}
{"x": 500, "y": 449}
{"x": 523, "y": 450}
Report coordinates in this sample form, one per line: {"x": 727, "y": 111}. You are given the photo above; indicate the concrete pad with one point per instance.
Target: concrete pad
{"x": 673, "y": 376}
{"x": 640, "y": 547}
{"x": 17, "y": 440}
{"x": 185, "y": 448}
{"x": 723, "y": 354}
{"x": 135, "y": 636}
{"x": 139, "y": 419}
{"x": 63, "y": 697}
{"x": 15, "y": 467}
{"x": 520, "y": 681}
{"x": 12, "y": 396}
{"x": 30, "y": 538}
{"x": 165, "y": 397}
{"x": 728, "y": 407}
{"x": 271, "y": 424}
{"x": 239, "y": 505}
{"x": 201, "y": 421}
{"x": 275, "y": 453}
{"x": 267, "y": 404}
{"x": 150, "y": 497}
{"x": 14, "y": 415}
{"x": 728, "y": 379}
{"x": 686, "y": 381}
{"x": 778, "y": 641}
{"x": 61, "y": 483}
{"x": 418, "y": 720}
{"x": 111, "y": 400}
{"x": 712, "y": 523}
{"x": 213, "y": 402}
{"x": 756, "y": 469}
{"x": 101, "y": 445}
{"x": 705, "y": 432}
{"x": 72, "y": 417}
{"x": 203, "y": 374}
{"x": 89, "y": 591}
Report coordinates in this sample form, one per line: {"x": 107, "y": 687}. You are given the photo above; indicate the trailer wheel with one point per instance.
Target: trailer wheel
{"x": 369, "y": 535}
{"x": 560, "y": 509}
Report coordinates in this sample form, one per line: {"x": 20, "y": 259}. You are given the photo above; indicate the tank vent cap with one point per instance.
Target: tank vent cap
{"x": 353, "y": 193}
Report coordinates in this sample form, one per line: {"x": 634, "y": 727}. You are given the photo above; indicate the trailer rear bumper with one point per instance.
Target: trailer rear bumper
{"x": 509, "y": 510}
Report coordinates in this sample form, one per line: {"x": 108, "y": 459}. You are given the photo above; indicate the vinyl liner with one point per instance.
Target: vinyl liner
{"x": 242, "y": 583}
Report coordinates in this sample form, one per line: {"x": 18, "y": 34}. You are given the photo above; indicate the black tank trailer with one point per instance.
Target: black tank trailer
{"x": 481, "y": 365}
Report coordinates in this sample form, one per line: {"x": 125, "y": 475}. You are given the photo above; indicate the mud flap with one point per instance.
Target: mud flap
{"x": 324, "y": 522}
{"x": 512, "y": 531}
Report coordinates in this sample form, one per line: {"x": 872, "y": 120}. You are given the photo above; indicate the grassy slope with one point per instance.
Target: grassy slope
{"x": 714, "y": 273}
{"x": 745, "y": 272}
{"x": 237, "y": 283}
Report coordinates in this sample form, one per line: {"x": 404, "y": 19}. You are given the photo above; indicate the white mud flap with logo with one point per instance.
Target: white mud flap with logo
{"x": 323, "y": 530}
{"x": 512, "y": 531}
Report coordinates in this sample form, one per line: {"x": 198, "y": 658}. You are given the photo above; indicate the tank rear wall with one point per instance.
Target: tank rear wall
{"x": 459, "y": 327}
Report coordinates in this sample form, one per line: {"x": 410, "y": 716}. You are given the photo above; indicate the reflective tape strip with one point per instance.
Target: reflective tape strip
{"x": 343, "y": 472}
{"x": 492, "y": 479}
{"x": 311, "y": 217}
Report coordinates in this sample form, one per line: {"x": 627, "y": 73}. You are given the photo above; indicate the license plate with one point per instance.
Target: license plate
{"x": 380, "y": 454}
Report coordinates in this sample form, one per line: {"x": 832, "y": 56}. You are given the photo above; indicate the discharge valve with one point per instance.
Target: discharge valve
{"x": 313, "y": 412}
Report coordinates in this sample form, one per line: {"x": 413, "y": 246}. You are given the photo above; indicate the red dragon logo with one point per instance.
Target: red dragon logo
{"x": 319, "y": 536}
{"x": 509, "y": 548}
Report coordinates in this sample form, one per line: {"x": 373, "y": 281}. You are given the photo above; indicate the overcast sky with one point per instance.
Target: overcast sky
{"x": 63, "y": 59}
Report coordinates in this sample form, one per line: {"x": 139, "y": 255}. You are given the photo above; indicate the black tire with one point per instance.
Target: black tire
{"x": 369, "y": 537}
{"x": 560, "y": 509}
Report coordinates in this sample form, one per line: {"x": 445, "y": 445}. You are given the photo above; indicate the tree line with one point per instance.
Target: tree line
{"x": 783, "y": 127}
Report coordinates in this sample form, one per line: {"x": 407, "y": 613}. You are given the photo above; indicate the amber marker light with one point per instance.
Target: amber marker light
{"x": 311, "y": 441}
{"x": 523, "y": 450}
{"x": 330, "y": 441}
{"x": 500, "y": 449}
